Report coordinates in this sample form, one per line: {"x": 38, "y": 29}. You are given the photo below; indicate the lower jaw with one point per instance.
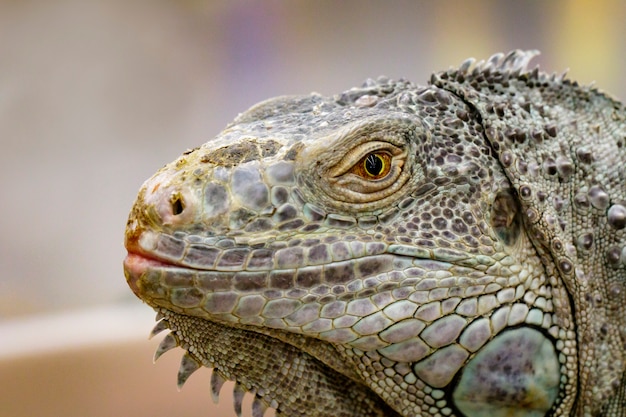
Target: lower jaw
{"x": 264, "y": 365}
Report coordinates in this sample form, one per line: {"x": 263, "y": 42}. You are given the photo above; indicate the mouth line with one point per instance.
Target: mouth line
{"x": 138, "y": 262}
{"x": 163, "y": 251}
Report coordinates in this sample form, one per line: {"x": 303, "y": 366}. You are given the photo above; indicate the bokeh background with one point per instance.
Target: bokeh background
{"x": 96, "y": 95}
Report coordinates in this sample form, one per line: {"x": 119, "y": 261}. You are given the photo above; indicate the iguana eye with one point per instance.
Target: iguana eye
{"x": 369, "y": 172}
{"x": 363, "y": 165}
{"x": 373, "y": 160}
{"x": 374, "y": 165}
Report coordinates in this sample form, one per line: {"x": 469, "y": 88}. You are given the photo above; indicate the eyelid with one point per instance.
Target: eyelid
{"x": 356, "y": 155}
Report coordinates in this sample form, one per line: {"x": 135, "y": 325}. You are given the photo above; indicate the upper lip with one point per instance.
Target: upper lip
{"x": 136, "y": 264}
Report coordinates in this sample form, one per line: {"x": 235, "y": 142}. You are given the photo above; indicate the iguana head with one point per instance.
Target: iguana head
{"x": 373, "y": 251}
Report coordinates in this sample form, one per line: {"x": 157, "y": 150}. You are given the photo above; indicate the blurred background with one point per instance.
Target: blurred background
{"x": 96, "y": 95}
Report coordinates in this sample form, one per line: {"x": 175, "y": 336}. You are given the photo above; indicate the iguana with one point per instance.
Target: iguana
{"x": 456, "y": 249}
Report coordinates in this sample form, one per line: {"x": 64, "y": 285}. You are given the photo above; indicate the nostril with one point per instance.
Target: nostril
{"x": 177, "y": 204}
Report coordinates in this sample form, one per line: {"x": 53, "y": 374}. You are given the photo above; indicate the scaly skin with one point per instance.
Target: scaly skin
{"x": 397, "y": 250}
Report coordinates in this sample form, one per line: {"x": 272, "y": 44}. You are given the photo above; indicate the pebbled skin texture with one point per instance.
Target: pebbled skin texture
{"x": 456, "y": 249}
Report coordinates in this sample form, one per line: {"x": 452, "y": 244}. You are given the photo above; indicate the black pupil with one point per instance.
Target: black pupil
{"x": 373, "y": 164}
